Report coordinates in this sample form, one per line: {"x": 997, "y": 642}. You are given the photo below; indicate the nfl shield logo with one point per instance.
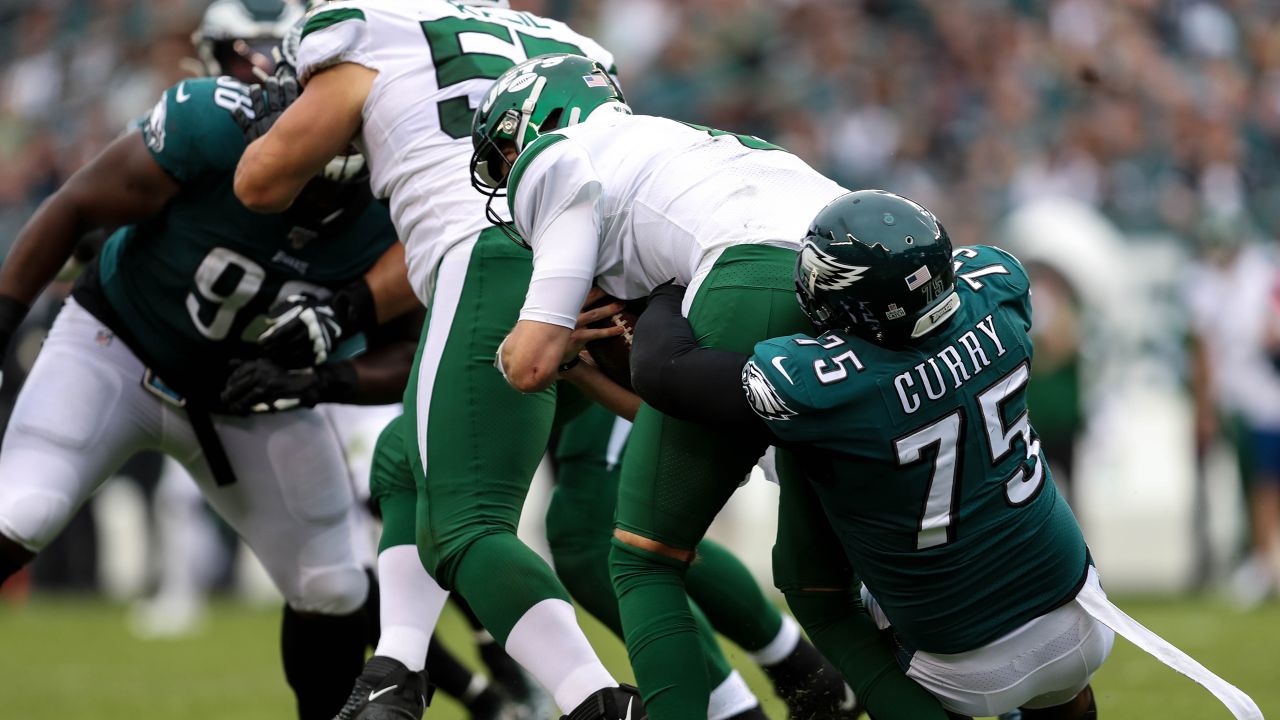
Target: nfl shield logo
{"x": 918, "y": 278}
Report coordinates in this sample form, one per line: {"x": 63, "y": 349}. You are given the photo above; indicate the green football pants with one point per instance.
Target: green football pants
{"x": 677, "y": 475}
{"x": 472, "y": 442}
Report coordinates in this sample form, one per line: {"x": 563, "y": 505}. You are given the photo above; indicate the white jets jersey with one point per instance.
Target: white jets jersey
{"x": 435, "y": 61}
{"x": 633, "y": 201}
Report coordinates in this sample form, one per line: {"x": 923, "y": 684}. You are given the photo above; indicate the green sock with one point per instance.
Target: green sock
{"x": 662, "y": 637}
{"x": 731, "y": 598}
{"x": 526, "y": 581}
{"x": 586, "y": 575}
{"x": 839, "y": 628}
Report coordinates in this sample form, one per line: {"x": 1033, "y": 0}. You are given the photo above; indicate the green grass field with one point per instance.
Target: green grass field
{"x": 75, "y": 658}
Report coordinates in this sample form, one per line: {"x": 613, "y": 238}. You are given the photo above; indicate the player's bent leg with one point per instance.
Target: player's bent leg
{"x": 392, "y": 682}
{"x": 81, "y": 413}
{"x": 579, "y": 523}
{"x": 474, "y": 448}
{"x": 737, "y": 608}
{"x": 411, "y": 601}
{"x": 1045, "y": 663}
{"x": 811, "y": 570}
{"x": 292, "y": 506}
{"x": 1082, "y": 707}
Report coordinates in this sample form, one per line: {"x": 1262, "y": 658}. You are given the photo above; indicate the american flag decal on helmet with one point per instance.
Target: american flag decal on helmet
{"x": 918, "y": 278}
{"x": 594, "y": 80}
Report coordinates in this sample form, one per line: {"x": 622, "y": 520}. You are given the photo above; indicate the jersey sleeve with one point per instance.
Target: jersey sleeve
{"x": 990, "y": 269}
{"x": 333, "y": 33}
{"x": 777, "y": 387}
{"x": 553, "y": 194}
{"x": 191, "y": 131}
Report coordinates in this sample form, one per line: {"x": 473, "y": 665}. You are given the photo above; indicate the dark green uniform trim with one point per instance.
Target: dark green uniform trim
{"x": 522, "y": 163}
{"x": 327, "y": 18}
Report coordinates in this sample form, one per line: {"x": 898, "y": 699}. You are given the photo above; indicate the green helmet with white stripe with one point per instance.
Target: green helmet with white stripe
{"x": 545, "y": 93}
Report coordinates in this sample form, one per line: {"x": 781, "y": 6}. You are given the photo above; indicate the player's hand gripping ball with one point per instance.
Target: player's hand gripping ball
{"x": 613, "y": 354}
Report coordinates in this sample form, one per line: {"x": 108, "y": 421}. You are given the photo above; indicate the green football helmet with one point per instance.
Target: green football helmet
{"x": 877, "y": 265}
{"x": 541, "y": 94}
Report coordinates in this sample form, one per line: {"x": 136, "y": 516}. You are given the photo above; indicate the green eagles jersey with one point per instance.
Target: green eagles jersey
{"x": 191, "y": 284}
{"x": 927, "y": 466}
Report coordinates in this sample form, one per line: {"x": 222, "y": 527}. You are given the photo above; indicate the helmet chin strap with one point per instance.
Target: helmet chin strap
{"x": 526, "y": 110}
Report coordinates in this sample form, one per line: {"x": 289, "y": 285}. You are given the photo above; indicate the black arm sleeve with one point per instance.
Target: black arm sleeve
{"x": 679, "y": 377}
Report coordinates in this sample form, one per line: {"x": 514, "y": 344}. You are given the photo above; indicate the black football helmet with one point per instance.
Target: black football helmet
{"x": 877, "y": 265}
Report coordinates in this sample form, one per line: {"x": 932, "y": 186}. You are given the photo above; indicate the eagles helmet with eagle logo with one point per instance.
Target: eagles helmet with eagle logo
{"x": 877, "y": 265}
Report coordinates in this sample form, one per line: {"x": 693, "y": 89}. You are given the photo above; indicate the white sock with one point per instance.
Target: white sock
{"x": 730, "y": 698}
{"x": 547, "y": 642}
{"x": 411, "y": 602}
{"x": 781, "y": 645}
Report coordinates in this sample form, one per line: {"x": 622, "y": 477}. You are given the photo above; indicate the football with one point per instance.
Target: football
{"x": 613, "y": 355}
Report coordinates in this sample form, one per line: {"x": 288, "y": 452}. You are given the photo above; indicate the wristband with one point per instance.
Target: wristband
{"x": 336, "y": 381}
{"x": 565, "y": 367}
{"x": 355, "y": 308}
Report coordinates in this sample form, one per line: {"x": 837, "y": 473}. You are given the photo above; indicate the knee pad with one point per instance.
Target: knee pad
{"x": 336, "y": 590}
{"x": 32, "y": 518}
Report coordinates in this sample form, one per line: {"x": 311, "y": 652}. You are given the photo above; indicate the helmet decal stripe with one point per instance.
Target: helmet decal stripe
{"x": 823, "y": 272}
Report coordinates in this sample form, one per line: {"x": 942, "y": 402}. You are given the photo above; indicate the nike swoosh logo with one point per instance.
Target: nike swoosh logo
{"x": 777, "y": 363}
{"x": 379, "y": 693}
{"x": 630, "y": 702}
{"x": 181, "y": 94}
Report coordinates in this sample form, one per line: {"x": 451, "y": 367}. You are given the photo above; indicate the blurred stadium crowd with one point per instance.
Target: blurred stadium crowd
{"x": 1152, "y": 110}
{"x": 1159, "y": 114}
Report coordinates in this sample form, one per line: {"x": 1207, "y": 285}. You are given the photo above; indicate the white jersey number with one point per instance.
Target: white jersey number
{"x": 454, "y": 64}
{"x": 225, "y": 282}
{"x": 937, "y": 524}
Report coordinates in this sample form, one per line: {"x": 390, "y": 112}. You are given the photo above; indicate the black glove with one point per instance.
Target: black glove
{"x": 268, "y": 101}
{"x": 302, "y": 330}
{"x": 261, "y": 386}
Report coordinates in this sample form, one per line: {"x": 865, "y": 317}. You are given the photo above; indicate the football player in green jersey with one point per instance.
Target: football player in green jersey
{"x": 925, "y": 480}
{"x": 138, "y": 356}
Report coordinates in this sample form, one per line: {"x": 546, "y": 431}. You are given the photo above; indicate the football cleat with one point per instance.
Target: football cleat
{"x": 612, "y": 703}
{"x": 386, "y": 690}
{"x": 811, "y": 686}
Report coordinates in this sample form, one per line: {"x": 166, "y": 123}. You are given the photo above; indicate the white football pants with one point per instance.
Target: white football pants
{"x": 84, "y": 411}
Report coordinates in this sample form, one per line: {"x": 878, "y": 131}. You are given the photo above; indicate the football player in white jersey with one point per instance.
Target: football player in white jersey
{"x": 402, "y": 81}
{"x": 627, "y": 203}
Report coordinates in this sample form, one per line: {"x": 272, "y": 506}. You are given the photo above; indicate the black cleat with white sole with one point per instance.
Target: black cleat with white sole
{"x": 613, "y": 703}
{"x": 386, "y": 690}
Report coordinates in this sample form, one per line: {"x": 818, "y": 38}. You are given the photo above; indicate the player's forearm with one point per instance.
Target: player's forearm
{"x": 679, "y": 377}
{"x": 388, "y": 282}
{"x": 531, "y": 355}
{"x": 382, "y": 374}
{"x": 42, "y": 248}
{"x": 599, "y": 388}
{"x": 266, "y": 181}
